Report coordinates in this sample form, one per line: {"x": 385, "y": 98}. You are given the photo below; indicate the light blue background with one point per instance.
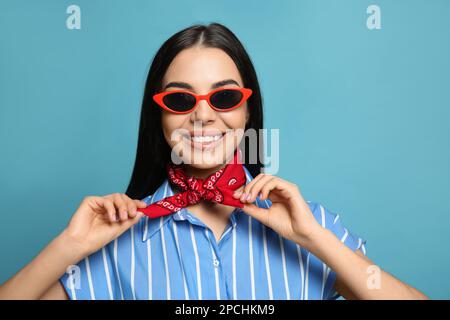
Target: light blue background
{"x": 363, "y": 114}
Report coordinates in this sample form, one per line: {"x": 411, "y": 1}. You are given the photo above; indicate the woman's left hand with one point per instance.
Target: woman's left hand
{"x": 289, "y": 215}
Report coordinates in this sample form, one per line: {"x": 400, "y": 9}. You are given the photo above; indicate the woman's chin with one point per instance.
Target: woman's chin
{"x": 206, "y": 159}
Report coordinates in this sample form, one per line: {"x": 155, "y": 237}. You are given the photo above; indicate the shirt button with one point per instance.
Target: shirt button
{"x": 215, "y": 262}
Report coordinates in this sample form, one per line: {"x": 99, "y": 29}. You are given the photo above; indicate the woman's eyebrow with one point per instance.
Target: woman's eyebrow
{"x": 185, "y": 85}
{"x": 223, "y": 83}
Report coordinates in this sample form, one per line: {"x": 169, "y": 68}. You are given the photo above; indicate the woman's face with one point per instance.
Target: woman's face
{"x": 200, "y": 70}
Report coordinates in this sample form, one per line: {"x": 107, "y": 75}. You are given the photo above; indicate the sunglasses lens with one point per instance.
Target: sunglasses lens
{"x": 179, "y": 101}
{"x": 226, "y": 99}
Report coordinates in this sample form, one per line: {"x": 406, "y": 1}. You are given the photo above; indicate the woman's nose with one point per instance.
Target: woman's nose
{"x": 203, "y": 112}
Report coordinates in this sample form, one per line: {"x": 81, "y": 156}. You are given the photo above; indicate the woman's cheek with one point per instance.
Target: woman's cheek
{"x": 235, "y": 128}
{"x": 171, "y": 125}
{"x": 236, "y": 119}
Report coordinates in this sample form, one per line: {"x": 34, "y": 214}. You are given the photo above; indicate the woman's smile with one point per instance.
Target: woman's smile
{"x": 205, "y": 140}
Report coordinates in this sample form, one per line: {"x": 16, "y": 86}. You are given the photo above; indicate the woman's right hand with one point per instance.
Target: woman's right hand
{"x": 101, "y": 219}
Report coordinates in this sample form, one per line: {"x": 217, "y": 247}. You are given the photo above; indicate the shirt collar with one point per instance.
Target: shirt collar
{"x": 152, "y": 226}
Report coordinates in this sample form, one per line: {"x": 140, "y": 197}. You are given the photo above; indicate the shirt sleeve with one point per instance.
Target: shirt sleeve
{"x": 93, "y": 278}
{"x": 332, "y": 221}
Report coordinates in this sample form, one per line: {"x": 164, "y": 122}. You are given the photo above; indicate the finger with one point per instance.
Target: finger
{"x": 110, "y": 209}
{"x": 130, "y": 205}
{"x": 269, "y": 186}
{"x": 256, "y": 212}
{"x": 252, "y": 190}
{"x": 238, "y": 192}
{"x": 246, "y": 187}
{"x": 125, "y": 225}
{"x": 287, "y": 189}
{"x": 244, "y": 194}
{"x": 121, "y": 206}
{"x": 122, "y": 226}
{"x": 140, "y": 203}
{"x": 132, "y": 209}
{"x": 256, "y": 188}
{"x": 284, "y": 190}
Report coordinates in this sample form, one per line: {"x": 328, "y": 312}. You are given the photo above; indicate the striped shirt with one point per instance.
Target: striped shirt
{"x": 177, "y": 257}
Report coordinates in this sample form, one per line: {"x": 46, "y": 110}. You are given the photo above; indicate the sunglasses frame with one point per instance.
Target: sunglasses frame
{"x": 158, "y": 98}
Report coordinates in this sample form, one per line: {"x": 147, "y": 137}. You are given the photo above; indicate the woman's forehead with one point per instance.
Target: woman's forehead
{"x": 201, "y": 67}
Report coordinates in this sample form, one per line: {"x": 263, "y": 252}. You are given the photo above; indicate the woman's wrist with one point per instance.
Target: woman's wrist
{"x": 311, "y": 240}
{"x": 73, "y": 248}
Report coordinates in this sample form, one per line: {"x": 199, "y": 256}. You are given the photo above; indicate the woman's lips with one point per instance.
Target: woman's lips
{"x": 204, "y": 142}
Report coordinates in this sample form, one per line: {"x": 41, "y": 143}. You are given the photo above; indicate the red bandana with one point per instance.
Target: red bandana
{"x": 217, "y": 187}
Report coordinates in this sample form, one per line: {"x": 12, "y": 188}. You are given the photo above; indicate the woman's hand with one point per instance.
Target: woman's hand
{"x": 289, "y": 214}
{"x": 99, "y": 220}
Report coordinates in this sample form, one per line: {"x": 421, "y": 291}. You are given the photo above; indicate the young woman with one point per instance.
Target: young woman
{"x": 275, "y": 245}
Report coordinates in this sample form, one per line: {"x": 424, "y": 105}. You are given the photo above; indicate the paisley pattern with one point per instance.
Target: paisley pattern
{"x": 217, "y": 187}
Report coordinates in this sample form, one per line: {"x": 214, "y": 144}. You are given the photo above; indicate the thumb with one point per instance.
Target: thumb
{"x": 256, "y": 212}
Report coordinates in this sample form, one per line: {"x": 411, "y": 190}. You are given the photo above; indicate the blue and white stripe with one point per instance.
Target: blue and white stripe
{"x": 178, "y": 257}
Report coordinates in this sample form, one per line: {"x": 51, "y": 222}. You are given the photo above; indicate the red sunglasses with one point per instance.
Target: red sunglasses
{"x": 182, "y": 101}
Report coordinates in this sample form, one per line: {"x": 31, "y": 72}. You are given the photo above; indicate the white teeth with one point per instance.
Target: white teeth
{"x": 202, "y": 139}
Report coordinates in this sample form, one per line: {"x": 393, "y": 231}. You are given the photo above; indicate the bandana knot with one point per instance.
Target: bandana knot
{"x": 217, "y": 187}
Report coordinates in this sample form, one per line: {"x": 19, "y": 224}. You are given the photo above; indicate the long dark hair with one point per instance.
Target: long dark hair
{"x": 153, "y": 151}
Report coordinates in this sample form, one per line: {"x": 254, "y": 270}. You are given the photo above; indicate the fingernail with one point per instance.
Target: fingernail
{"x": 243, "y": 196}
{"x": 249, "y": 196}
